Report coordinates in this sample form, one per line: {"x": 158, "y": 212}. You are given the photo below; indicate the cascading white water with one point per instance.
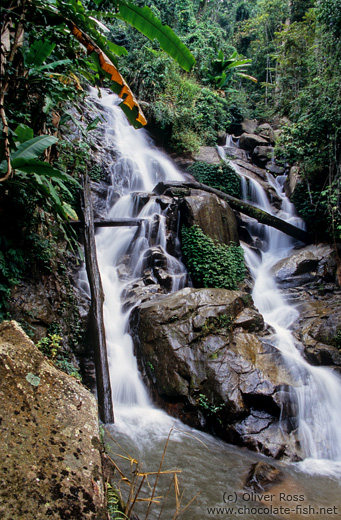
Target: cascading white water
{"x": 137, "y": 167}
{"x": 209, "y": 466}
{"x": 317, "y": 389}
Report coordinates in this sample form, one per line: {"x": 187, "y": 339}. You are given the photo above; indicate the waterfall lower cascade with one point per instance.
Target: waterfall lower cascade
{"x": 210, "y": 466}
{"x": 135, "y": 170}
{"x": 317, "y": 391}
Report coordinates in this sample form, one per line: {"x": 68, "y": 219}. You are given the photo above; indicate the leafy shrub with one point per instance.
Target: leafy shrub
{"x": 220, "y": 176}
{"x": 51, "y": 347}
{"x": 190, "y": 110}
{"x": 11, "y": 266}
{"x": 209, "y": 408}
{"x": 310, "y": 207}
{"x": 210, "y": 263}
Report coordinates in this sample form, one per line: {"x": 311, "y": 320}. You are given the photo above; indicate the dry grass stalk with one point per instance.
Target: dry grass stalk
{"x": 138, "y": 478}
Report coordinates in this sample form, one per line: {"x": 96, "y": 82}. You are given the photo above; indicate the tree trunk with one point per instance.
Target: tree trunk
{"x": 96, "y": 328}
{"x": 238, "y": 205}
{"x": 114, "y": 222}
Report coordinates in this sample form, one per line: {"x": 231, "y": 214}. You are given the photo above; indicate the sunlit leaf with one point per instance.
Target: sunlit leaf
{"x": 33, "y": 148}
{"x": 70, "y": 211}
{"x": 144, "y": 20}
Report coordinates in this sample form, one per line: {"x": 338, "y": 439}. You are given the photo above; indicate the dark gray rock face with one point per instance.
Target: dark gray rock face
{"x": 250, "y": 141}
{"x": 292, "y": 181}
{"x": 319, "y": 328}
{"x": 266, "y": 131}
{"x": 204, "y": 363}
{"x": 261, "y": 155}
{"x": 308, "y": 264}
{"x": 308, "y": 278}
{"x": 249, "y": 125}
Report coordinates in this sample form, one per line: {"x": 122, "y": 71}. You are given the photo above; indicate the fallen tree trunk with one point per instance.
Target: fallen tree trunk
{"x": 115, "y": 222}
{"x": 174, "y": 188}
{"x": 96, "y": 328}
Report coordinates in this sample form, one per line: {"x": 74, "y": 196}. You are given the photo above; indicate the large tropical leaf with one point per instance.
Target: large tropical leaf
{"x": 38, "y": 52}
{"x": 129, "y": 104}
{"x": 33, "y": 148}
{"x": 43, "y": 169}
{"x": 53, "y": 65}
{"x": 23, "y": 132}
{"x": 242, "y": 75}
{"x": 144, "y": 20}
{"x": 239, "y": 63}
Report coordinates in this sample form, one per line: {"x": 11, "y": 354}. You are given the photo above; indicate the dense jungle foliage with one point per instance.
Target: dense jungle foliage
{"x": 275, "y": 60}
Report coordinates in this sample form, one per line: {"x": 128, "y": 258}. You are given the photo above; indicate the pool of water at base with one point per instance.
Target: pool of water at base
{"x": 213, "y": 472}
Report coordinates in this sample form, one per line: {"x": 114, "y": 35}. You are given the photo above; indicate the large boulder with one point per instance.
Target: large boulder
{"x": 249, "y": 125}
{"x": 208, "y": 154}
{"x": 311, "y": 263}
{"x": 319, "y": 328}
{"x": 212, "y": 214}
{"x": 51, "y": 449}
{"x": 266, "y": 131}
{"x": 261, "y": 155}
{"x": 198, "y": 207}
{"x": 204, "y": 363}
{"x": 250, "y": 141}
{"x": 292, "y": 181}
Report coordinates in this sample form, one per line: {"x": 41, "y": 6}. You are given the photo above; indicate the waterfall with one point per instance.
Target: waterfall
{"x": 135, "y": 170}
{"x": 317, "y": 389}
{"x": 136, "y": 167}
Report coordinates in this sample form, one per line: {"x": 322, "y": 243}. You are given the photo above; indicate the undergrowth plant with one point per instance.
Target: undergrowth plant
{"x": 51, "y": 347}
{"x": 210, "y": 263}
{"x": 220, "y": 176}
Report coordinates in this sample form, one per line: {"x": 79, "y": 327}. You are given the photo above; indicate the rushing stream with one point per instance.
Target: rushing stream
{"x": 210, "y": 467}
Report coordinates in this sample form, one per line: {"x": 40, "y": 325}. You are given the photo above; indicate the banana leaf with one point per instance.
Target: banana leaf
{"x": 144, "y": 20}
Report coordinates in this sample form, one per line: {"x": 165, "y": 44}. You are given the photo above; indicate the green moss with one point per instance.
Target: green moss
{"x": 210, "y": 263}
{"x": 220, "y": 176}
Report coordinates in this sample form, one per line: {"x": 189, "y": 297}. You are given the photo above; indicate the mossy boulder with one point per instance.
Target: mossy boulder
{"x": 51, "y": 449}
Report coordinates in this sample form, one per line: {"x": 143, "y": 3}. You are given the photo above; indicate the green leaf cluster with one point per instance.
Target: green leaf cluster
{"x": 209, "y": 408}
{"x": 220, "y": 176}
{"x": 51, "y": 347}
{"x": 209, "y": 263}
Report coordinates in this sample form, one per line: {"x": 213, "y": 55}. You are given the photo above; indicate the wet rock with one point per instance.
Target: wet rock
{"x": 249, "y": 169}
{"x": 51, "y": 449}
{"x": 311, "y": 263}
{"x": 208, "y": 154}
{"x": 262, "y": 475}
{"x": 209, "y": 366}
{"x": 140, "y": 291}
{"x": 292, "y": 181}
{"x": 249, "y": 125}
{"x": 99, "y": 198}
{"x": 260, "y": 431}
{"x": 266, "y": 132}
{"x": 274, "y": 168}
{"x": 250, "y": 141}
{"x": 261, "y": 155}
{"x": 318, "y": 328}
{"x": 213, "y": 215}
{"x": 235, "y": 153}
{"x": 221, "y": 138}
